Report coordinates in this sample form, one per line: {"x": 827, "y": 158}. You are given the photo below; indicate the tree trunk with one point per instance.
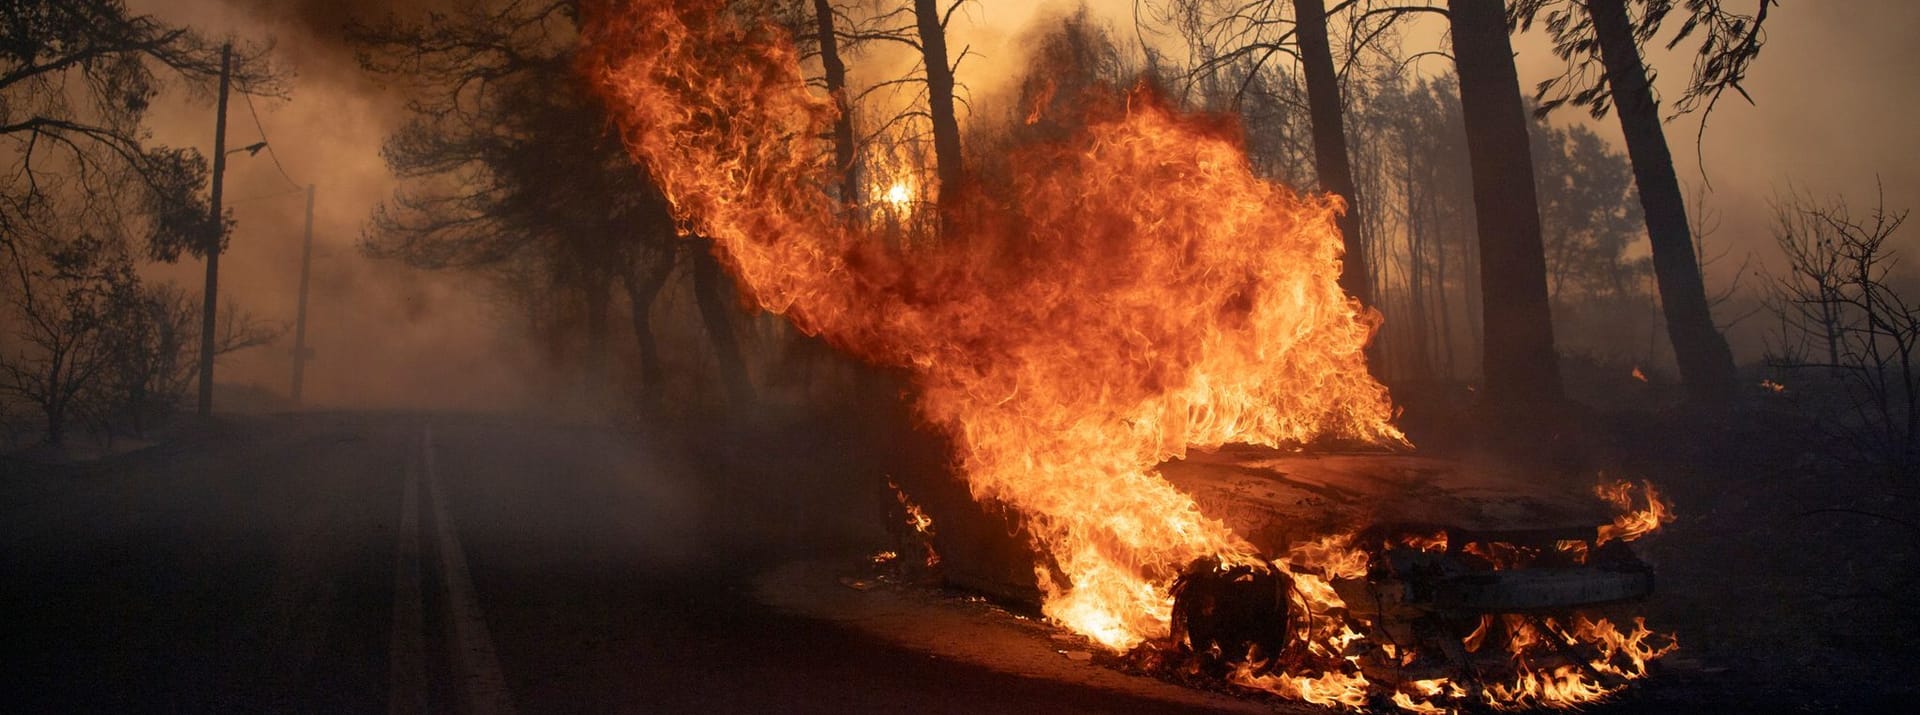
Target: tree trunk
{"x": 599, "y": 297}
{"x": 1330, "y": 162}
{"x": 56, "y": 424}
{"x": 711, "y": 292}
{"x": 836, "y": 75}
{"x": 54, "y": 405}
{"x": 1442, "y": 309}
{"x": 946, "y": 126}
{"x": 1419, "y": 369}
{"x": 1520, "y": 367}
{"x": 643, "y": 285}
{"x": 1706, "y": 364}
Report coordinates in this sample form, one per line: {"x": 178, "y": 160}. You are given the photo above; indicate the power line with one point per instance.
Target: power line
{"x": 263, "y": 139}
{"x": 273, "y": 195}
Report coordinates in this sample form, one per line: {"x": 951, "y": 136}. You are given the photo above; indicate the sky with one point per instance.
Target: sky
{"x": 1835, "y": 92}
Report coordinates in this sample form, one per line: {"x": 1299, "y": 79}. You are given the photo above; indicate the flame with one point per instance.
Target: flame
{"x": 1418, "y": 696}
{"x": 918, "y": 519}
{"x": 1620, "y": 657}
{"x": 1133, "y": 292}
{"x": 1638, "y": 375}
{"x": 1330, "y": 689}
{"x": 1632, "y": 523}
{"x": 1125, "y": 294}
{"x": 1331, "y": 556}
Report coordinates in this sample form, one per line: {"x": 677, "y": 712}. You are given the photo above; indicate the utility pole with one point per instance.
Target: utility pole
{"x": 209, "y": 297}
{"x": 300, "y": 352}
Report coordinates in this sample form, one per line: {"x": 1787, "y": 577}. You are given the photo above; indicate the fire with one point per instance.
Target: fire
{"x": 1139, "y": 292}
{"x": 918, "y": 519}
{"x": 1123, "y": 296}
{"x": 1330, "y": 688}
{"x": 1632, "y": 523}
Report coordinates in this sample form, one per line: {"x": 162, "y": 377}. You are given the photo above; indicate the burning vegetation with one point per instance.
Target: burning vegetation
{"x": 1131, "y": 292}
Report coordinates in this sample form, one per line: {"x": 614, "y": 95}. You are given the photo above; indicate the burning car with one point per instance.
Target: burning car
{"x": 1450, "y": 584}
{"x": 1387, "y": 579}
{"x": 1131, "y": 297}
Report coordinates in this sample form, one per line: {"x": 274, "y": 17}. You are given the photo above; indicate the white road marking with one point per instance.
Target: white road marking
{"x": 407, "y": 650}
{"x": 475, "y": 663}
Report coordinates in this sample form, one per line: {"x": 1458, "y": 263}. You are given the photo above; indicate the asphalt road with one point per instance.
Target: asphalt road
{"x": 434, "y": 563}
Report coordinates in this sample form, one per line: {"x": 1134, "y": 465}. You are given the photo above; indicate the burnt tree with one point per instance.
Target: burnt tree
{"x": 1520, "y": 366}
{"x": 1330, "y": 140}
{"x": 1706, "y": 364}
{"x": 1606, "y": 31}
{"x": 932, "y": 24}
{"x": 835, "y": 75}
{"x": 713, "y": 291}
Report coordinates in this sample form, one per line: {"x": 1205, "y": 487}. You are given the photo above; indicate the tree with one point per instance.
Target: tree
{"x": 1421, "y": 160}
{"x": 87, "y": 340}
{"x": 1603, "y": 31}
{"x": 1586, "y": 214}
{"x": 834, "y": 74}
{"x": 1330, "y": 139}
{"x": 1848, "y": 331}
{"x": 76, "y": 80}
{"x": 1520, "y": 366}
{"x": 508, "y": 162}
{"x": 932, "y": 24}
{"x": 156, "y": 345}
{"x": 65, "y": 298}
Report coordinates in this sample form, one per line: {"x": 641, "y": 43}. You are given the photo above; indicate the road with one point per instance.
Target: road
{"x": 369, "y": 562}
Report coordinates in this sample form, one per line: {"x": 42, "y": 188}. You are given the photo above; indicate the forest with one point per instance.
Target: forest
{"x": 1035, "y": 260}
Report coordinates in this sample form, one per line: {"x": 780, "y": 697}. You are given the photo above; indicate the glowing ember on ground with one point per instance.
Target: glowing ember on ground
{"x": 1130, "y": 293}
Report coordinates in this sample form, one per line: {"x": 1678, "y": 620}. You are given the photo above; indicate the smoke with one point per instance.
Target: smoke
{"x": 1830, "y": 88}
{"x": 312, "y": 33}
{"x": 382, "y": 335}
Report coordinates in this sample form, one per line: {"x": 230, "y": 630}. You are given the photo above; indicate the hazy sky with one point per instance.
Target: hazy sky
{"x": 1836, "y": 104}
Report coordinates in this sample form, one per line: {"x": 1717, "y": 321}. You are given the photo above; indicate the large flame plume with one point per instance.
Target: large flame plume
{"x": 1132, "y": 292}
{"x": 1135, "y": 292}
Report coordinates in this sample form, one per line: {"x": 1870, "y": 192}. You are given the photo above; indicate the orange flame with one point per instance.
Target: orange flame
{"x": 1129, "y": 293}
{"x": 918, "y": 519}
{"x": 1134, "y": 292}
{"x": 1632, "y": 523}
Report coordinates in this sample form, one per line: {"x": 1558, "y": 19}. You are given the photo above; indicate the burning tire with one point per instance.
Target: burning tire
{"x": 1226, "y": 613}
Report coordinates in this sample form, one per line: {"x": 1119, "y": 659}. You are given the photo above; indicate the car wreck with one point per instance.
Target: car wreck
{"x": 1391, "y": 580}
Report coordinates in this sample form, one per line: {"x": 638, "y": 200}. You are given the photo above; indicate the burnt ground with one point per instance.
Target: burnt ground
{"x": 1788, "y": 576}
{"x": 256, "y": 565}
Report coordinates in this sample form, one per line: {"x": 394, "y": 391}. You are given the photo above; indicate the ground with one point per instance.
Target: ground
{"x": 273, "y": 563}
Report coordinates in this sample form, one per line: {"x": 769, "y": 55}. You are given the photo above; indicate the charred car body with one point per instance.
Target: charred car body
{"x": 1456, "y": 583}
